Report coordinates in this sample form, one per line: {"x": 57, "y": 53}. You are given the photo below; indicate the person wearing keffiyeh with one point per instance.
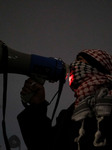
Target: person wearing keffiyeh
{"x": 92, "y": 83}
{"x": 87, "y": 123}
{"x": 87, "y": 78}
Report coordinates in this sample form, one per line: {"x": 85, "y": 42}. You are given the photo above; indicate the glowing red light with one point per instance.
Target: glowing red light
{"x": 71, "y": 78}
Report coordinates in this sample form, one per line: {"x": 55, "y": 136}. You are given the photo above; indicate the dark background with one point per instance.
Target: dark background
{"x": 50, "y": 28}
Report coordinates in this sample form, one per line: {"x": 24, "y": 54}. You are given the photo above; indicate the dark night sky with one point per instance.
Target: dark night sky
{"x": 50, "y": 28}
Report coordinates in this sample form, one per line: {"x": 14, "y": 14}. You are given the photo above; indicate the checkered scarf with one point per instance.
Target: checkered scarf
{"x": 85, "y": 80}
{"x": 92, "y": 84}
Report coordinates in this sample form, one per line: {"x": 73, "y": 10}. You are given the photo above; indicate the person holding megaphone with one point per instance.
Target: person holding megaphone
{"x": 87, "y": 123}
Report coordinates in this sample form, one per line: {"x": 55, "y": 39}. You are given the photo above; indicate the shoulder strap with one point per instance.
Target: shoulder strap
{"x": 5, "y": 67}
{"x": 61, "y": 83}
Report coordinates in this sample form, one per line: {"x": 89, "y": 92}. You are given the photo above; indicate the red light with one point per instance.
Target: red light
{"x": 71, "y": 78}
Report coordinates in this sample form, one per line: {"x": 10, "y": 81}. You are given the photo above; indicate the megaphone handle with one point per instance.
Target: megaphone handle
{"x": 26, "y": 98}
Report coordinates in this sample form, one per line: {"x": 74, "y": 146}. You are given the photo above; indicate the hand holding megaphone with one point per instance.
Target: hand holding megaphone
{"x": 32, "y": 92}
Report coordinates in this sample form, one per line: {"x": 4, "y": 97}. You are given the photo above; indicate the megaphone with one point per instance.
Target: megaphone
{"x": 38, "y": 67}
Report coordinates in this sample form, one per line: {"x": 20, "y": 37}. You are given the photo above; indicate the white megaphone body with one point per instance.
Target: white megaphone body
{"x": 38, "y": 67}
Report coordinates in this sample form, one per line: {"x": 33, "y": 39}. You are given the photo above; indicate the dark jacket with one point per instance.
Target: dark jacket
{"x": 38, "y": 134}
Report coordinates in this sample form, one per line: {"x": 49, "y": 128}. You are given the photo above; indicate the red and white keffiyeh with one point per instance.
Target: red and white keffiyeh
{"x": 102, "y": 57}
{"x": 85, "y": 80}
{"x": 92, "y": 84}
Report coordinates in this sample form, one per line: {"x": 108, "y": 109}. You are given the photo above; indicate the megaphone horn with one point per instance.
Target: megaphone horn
{"x": 17, "y": 62}
{"x": 47, "y": 68}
